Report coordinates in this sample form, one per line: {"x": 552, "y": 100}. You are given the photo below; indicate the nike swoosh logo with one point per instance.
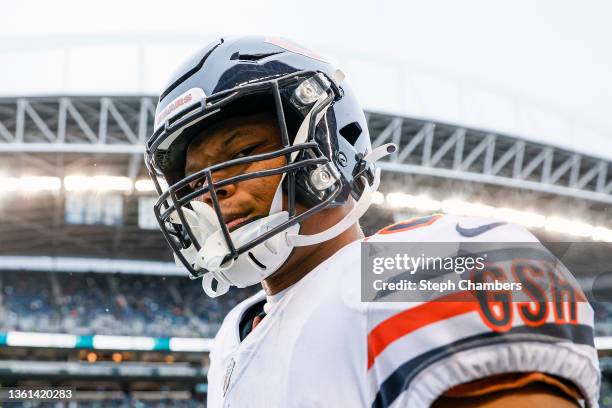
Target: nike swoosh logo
{"x": 473, "y": 232}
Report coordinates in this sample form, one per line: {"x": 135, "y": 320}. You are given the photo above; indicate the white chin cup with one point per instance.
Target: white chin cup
{"x": 249, "y": 268}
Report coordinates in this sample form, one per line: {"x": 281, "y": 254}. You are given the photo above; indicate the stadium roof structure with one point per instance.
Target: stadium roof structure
{"x": 118, "y": 126}
{"x": 89, "y": 136}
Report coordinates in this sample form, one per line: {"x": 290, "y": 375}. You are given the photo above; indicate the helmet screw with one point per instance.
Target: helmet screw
{"x": 342, "y": 159}
{"x": 321, "y": 179}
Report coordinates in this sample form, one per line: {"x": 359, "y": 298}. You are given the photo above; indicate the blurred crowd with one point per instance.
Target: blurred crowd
{"x": 141, "y": 305}
{"x": 603, "y": 318}
{"x": 117, "y": 304}
{"x": 605, "y": 398}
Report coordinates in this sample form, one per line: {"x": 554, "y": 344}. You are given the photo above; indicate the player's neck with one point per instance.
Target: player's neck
{"x": 305, "y": 259}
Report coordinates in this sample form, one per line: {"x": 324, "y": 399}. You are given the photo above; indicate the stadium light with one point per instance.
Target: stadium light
{"x": 189, "y": 344}
{"x": 145, "y": 185}
{"x": 602, "y": 234}
{"x": 77, "y": 183}
{"x": 30, "y": 184}
{"x": 525, "y": 218}
{"x": 98, "y": 183}
{"x": 378, "y": 198}
{"x": 102, "y": 342}
{"x": 570, "y": 227}
{"x": 459, "y": 207}
{"x": 8, "y": 184}
{"x": 424, "y": 203}
{"x": 31, "y": 339}
{"x": 113, "y": 183}
{"x": 399, "y": 200}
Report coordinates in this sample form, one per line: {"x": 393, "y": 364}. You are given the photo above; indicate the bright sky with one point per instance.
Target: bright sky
{"x": 540, "y": 69}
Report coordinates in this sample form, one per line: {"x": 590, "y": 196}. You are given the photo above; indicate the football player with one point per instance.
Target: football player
{"x": 263, "y": 162}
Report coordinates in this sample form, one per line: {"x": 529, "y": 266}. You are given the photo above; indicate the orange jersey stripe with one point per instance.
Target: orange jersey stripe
{"x": 415, "y": 318}
{"x": 410, "y": 224}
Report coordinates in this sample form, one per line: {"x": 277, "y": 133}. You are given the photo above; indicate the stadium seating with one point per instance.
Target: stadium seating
{"x": 117, "y": 304}
{"x": 137, "y": 305}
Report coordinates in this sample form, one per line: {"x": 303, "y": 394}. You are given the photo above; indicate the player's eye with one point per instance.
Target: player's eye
{"x": 245, "y": 152}
{"x": 197, "y": 184}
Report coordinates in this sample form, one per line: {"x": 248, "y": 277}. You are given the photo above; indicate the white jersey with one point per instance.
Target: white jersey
{"x": 321, "y": 346}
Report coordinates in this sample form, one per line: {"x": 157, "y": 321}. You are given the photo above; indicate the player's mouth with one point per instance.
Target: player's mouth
{"x": 236, "y": 221}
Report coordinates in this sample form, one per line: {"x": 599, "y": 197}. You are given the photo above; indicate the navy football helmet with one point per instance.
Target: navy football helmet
{"x": 325, "y": 142}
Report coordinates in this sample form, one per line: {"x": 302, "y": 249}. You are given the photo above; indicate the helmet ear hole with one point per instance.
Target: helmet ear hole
{"x": 256, "y": 261}
{"x": 351, "y": 132}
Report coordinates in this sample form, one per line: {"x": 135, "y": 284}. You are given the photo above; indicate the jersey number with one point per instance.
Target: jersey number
{"x": 543, "y": 292}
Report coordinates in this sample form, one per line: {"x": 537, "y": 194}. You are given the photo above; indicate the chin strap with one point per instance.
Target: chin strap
{"x": 360, "y": 207}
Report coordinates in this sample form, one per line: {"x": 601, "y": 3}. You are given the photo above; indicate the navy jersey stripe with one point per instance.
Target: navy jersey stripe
{"x": 409, "y": 223}
{"x": 401, "y": 378}
{"x": 474, "y": 232}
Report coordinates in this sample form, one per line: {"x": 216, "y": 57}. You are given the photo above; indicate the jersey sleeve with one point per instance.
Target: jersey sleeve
{"x": 418, "y": 350}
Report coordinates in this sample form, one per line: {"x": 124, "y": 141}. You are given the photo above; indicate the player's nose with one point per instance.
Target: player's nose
{"x": 222, "y": 193}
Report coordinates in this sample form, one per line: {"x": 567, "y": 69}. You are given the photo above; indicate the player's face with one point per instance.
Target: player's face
{"x": 247, "y": 200}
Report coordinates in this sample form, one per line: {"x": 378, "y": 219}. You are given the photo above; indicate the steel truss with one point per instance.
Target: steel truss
{"x": 448, "y": 151}
{"x": 119, "y": 126}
